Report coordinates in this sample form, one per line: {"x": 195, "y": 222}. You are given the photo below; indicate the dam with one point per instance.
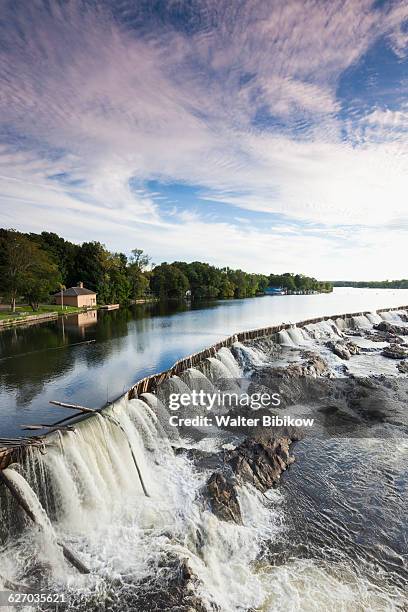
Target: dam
{"x": 108, "y": 506}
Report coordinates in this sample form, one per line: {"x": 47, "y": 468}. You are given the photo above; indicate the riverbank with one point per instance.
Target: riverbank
{"x": 44, "y": 313}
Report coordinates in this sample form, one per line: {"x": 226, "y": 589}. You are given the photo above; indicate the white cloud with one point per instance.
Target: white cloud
{"x": 99, "y": 104}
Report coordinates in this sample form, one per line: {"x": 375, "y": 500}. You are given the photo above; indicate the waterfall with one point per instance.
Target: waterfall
{"x": 374, "y": 318}
{"x": 285, "y": 339}
{"x": 249, "y": 357}
{"x": 361, "y": 321}
{"x": 162, "y": 415}
{"x": 40, "y": 534}
{"x": 392, "y": 316}
{"x": 220, "y": 375}
{"x": 100, "y": 509}
{"x": 298, "y": 335}
{"x": 323, "y": 329}
{"x": 227, "y": 358}
{"x": 342, "y": 324}
{"x": 30, "y": 498}
{"x": 174, "y": 385}
{"x": 197, "y": 381}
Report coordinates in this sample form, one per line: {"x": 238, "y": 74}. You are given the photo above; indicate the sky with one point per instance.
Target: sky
{"x": 267, "y": 135}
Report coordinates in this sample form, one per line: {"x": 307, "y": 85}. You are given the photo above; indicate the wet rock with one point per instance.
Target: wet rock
{"x": 312, "y": 365}
{"x": 392, "y": 328}
{"x": 395, "y": 351}
{"x": 173, "y": 587}
{"x": 343, "y": 349}
{"x": 259, "y": 461}
{"x": 403, "y": 367}
{"x": 354, "y": 332}
{"x": 223, "y": 498}
{"x": 381, "y": 336}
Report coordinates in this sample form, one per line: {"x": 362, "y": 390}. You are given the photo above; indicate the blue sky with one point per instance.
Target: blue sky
{"x": 266, "y": 135}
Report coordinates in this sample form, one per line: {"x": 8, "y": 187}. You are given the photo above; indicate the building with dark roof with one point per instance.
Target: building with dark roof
{"x": 77, "y": 296}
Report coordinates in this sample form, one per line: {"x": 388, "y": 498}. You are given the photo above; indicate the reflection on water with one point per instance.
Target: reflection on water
{"x": 54, "y": 360}
{"x": 79, "y": 321}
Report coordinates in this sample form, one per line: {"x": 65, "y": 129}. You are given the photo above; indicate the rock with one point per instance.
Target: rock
{"x": 313, "y": 365}
{"x": 395, "y": 351}
{"x": 403, "y": 367}
{"x": 381, "y": 336}
{"x": 259, "y": 461}
{"x": 397, "y": 330}
{"x": 343, "y": 349}
{"x": 171, "y": 585}
{"x": 223, "y": 498}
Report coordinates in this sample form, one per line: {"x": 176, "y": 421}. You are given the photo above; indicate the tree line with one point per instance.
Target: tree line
{"x": 34, "y": 266}
{"x": 388, "y": 284}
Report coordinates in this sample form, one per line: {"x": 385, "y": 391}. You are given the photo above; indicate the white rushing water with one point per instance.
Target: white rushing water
{"x": 99, "y": 507}
{"x": 115, "y": 491}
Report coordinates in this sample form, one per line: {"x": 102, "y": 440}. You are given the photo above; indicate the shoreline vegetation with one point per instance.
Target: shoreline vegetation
{"x": 388, "y": 284}
{"x": 33, "y": 267}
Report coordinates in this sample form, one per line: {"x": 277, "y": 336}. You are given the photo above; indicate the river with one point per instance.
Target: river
{"x": 53, "y": 361}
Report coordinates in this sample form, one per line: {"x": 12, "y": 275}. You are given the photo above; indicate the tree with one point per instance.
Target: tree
{"x": 167, "y": 281}
{"x": 62, "y": 252}
{"x": 138, "y": 277}
{"x": 139, "y": 259}
{"x": 25, "y": 269}
{"x": 91, "y": 263}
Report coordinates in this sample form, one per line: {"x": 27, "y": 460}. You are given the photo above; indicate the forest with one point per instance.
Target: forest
{"x": 33, "y": 267}
{"x": 387, "y": 284}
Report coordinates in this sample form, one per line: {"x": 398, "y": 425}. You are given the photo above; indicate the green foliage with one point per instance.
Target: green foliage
{"x": 299, "y": 282}
{"x": 168, "y": 282}
{"x": 209, "y": 282}
{"x": 393, "y": 284}
{"x": 138, "y": 278}
{"x": 25, "y": 269}
{"x": 33, "y": 265}
{"x": 62, "y": 252}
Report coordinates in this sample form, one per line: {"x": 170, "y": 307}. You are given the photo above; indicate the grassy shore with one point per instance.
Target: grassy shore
{"x": 25, "y": 311}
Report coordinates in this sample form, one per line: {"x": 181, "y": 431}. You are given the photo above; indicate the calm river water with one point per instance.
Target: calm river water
{"x": 51, "y": 361}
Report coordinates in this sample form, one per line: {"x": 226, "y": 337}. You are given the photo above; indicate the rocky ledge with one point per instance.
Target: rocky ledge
{"x": 395, "y": 351}
{"x": 259, "y": 461}
{"x": 343, "y": 348}
{"x": 391, "y": 328}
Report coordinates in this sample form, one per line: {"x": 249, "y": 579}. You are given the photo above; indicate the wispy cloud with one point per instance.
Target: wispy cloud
{"x": 240, "y": 97}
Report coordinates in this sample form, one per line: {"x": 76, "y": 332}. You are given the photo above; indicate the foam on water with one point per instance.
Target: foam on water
{"x": 249, "y": 357}
{"x": 100, "y": 508}
{"x": 323, "y": 329}
{"x": 309, "y": 585}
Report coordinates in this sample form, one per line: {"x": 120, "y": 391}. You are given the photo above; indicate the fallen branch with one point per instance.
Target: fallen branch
{"x": 45, "y": 426}
{"x": 74, "y": 407}
{"x": 115, "y": 422}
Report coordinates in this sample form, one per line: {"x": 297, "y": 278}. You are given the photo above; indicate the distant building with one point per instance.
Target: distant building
{"x": 275, "y": 291}
{"x": 76, "y": 296}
